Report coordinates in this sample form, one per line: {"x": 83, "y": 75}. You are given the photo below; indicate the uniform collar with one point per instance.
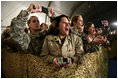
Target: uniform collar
{"x": 57, "y": 39}
{"x": 74, "y": 31}
{"x": 38, "y": 35}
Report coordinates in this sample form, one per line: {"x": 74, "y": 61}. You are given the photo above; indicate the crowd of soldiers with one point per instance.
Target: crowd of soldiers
{"x": 62, "y": 44}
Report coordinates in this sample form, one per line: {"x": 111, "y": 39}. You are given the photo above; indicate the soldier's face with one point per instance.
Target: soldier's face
{"x": 80, "y": 29}
{"x": 44, "y": 26}
{"x": 104, "y": 22}
{"x": 91, "y": 29}
{"x": 64, "y": 27}
{"x": 34, "y": 23}
{"x": 79, "y": 22}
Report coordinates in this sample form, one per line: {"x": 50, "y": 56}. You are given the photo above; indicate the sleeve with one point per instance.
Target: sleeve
{"x": 45, "y": 54}
{"x": 78, "y": 51}
{"x": 17, "y": 33}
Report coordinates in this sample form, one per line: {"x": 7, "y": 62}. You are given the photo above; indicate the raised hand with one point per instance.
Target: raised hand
{"x": 34, "y": 8}
{"x": 50, "y": 11}
{"x": 100, "y": 40}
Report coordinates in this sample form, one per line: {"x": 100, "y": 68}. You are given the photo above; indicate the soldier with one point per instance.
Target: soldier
{"x": 91, "y": 43}
{"x": 77, "y": 25}
{"x": 61, "y": 47}
{"x": 44, "y": 26}
{"x": 28, "y": 42}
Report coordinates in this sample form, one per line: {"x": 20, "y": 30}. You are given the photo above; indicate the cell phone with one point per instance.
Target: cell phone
{"x": 44, "y": 10}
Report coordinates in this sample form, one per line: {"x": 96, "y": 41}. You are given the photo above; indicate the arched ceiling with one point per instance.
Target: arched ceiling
{"x": 97, "y": 11}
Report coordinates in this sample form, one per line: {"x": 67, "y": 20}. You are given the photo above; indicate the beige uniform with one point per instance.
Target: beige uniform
{"x": 53, "y": 47}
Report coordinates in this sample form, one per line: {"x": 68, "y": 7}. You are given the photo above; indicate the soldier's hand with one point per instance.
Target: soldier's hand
{"x": 34, "y": 8}
{"x": 55, "y": 62}
{"x": 68, "y": 65}
{"x": 100, "y": 40}
{"x": 50, "y": 13}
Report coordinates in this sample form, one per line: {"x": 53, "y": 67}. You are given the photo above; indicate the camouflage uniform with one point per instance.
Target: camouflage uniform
{"x": 75, "y": 32}
{"x": 89, "y": 46}
{"x": 25, "y": 42}
{"x": 53, "y": 47}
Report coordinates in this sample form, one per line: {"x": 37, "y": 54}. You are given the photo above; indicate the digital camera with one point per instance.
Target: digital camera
{"x": 62, "y": 61}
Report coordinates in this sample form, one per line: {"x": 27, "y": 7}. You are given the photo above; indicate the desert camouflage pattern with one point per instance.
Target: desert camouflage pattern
{"x": 75, "y": 32}
{"x": 27, "y": 65}
{"x": 53, "y": 47}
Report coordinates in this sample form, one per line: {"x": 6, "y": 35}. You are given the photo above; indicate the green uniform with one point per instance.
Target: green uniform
{"x": 26, "y": 42}
{"x": 89, "y": 46}
{"x": 53, "y": 47}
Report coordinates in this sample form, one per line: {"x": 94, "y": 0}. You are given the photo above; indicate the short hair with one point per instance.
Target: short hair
{"x": 42, "y": 24}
